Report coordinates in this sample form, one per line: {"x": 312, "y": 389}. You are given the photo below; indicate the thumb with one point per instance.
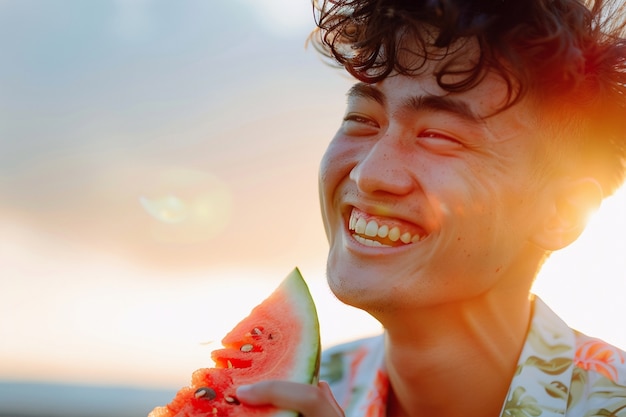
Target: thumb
{"x": 328, "y": 394}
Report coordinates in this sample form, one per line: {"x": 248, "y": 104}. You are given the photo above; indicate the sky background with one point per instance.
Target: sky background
{"x": 158, "y": 178}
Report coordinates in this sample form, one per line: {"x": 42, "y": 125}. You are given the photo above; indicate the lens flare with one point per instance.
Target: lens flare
{"x": 187, "y": 206}
{"x": 169, "y": 209}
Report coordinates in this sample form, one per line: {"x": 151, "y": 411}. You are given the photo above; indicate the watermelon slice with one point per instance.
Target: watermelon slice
{"x": 280, "y": 339}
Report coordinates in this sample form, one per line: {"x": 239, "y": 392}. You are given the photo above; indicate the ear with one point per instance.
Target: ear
{"x": 574, "y": 200}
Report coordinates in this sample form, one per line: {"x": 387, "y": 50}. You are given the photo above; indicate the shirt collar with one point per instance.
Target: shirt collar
{"x": 541, "y": 382}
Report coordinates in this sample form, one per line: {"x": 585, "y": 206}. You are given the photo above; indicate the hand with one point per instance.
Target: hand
{"x": 308, "y": 400}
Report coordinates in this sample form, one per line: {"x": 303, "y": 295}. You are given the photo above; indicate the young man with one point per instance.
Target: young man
{"x": 479, "y": 136}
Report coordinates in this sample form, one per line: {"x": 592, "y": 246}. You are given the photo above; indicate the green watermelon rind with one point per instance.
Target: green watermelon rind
{"x": 310, "y": 346}
{"x": 307, "y": 370}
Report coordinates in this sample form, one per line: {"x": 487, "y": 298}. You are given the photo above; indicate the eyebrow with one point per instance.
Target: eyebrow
{"x": 367, "y": 91}
{"x": 428, "y": 102}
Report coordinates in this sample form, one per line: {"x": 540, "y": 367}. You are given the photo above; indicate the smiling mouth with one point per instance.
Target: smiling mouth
{"x": 382, "y": 231}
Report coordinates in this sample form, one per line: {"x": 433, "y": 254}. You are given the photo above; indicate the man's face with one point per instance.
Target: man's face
{"x": 427, "y": 202}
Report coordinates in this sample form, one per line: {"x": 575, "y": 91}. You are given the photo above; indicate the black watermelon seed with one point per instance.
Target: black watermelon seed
{"x": 206, "y": 393}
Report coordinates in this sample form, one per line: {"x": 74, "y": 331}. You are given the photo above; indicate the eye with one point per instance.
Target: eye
{"x": 359, "y": 118}
{"x": 436, "y": 138}
{"x": 357, "y": 124}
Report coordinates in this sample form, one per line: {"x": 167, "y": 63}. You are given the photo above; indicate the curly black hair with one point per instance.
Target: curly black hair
{"x": 562, "y": 51}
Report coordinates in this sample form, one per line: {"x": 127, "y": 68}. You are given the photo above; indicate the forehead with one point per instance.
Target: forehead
{"x": 485, "y": 99}
{"x": 454, "y": 66}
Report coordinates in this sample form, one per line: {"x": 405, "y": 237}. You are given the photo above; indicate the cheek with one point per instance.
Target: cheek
{"x": 336, "y": 164}
{"x": 326, "y": 180}
{"x": 334, "y": 168}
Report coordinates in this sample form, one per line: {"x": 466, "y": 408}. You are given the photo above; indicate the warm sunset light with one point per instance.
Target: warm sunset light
{"x": 158, "y": 178}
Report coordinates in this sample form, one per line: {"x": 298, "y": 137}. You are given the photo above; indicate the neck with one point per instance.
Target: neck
{"x": 470, "y": 348}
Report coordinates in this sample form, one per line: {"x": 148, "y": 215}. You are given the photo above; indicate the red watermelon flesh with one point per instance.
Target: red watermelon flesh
{"x": 279, "y": 340}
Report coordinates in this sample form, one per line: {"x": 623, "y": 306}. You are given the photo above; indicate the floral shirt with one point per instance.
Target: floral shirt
{"x": 560, "y": 372}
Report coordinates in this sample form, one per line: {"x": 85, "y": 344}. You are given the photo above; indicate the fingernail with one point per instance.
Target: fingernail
{"x": 243, "y": 391}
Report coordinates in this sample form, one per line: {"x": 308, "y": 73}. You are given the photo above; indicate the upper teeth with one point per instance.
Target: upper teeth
{"x": 372, "y": 229}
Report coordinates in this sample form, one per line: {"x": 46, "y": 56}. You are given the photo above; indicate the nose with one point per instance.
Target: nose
{"x": 383, "y": 169}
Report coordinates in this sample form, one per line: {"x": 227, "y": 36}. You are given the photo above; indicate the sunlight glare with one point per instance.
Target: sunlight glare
{"x": 585, "y": 282}
{"x": 187, "y": 206}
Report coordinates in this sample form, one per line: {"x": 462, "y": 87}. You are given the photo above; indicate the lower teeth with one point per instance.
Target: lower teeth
{"x": 369, "y": 242}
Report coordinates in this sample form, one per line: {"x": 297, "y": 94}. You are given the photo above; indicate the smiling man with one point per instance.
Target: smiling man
{"x": 477, "y": 139}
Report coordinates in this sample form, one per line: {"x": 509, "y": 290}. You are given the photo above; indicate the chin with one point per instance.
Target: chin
{"x": 361, "y": 289}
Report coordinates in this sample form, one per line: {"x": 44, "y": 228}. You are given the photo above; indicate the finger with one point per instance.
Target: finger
{"x": 330, "y": 397}
{"x": 308, "y": 400}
